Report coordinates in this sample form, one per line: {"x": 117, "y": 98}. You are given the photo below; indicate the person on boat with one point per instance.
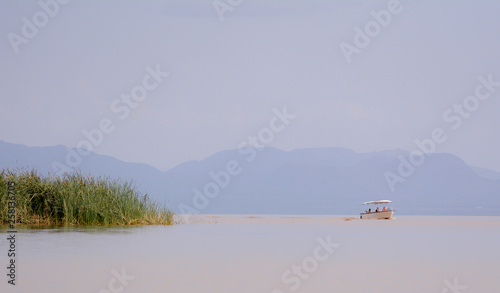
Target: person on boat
{"x": 377, "y": 210}
{"x": 369, "y": 210}
{"x": 384, "y": 209}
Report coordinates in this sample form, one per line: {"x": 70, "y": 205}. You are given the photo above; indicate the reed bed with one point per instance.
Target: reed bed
{"x": 77, "y": 199}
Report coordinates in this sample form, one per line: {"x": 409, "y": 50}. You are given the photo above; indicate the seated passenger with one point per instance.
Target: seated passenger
{"x": 384, "y": 209}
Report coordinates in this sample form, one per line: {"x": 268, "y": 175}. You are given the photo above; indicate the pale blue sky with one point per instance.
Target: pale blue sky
{"x": 226, "y": 77}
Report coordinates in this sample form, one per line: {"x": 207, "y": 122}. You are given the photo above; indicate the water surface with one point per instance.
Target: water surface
{"x": 234, "y": 253}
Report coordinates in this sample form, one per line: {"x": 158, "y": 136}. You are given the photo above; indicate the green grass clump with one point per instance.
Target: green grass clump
{"x": 77, "y": 199}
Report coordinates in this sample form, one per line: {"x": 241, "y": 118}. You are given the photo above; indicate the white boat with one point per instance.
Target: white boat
{"x": 380, "y": 210}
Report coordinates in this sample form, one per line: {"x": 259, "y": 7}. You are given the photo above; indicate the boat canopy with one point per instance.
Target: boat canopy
{"x": 377, "y": 201}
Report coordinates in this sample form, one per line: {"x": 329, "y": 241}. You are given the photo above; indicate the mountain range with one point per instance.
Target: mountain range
{"x": 303, "y": 181}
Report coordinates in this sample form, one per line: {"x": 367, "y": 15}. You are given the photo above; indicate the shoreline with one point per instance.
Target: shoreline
{"x": 402, "y": 220}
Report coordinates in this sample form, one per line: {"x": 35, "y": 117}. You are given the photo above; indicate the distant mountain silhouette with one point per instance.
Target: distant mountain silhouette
{"x": 303, "y": 181}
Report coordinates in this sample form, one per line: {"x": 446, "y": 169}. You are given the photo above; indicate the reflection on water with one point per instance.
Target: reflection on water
{"x": 244, "y": 254}
{"x": 77, "y": 229}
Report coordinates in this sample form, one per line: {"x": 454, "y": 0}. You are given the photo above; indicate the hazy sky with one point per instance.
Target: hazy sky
{"x": 226, "y": 75}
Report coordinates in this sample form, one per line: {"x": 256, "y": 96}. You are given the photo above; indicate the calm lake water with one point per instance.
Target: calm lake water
{"x": 221, "y": 253}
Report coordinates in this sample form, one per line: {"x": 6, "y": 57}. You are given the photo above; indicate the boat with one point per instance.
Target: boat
{"x": 379, "y": 211}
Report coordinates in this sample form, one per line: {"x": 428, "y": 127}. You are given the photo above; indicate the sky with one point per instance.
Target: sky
{"x": 363, "y": 75}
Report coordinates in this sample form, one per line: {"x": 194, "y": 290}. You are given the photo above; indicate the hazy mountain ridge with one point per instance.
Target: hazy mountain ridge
{"x": 303, "y": 181}
{"x": 487, "y": 173}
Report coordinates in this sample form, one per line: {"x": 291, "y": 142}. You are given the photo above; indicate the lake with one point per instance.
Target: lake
{"x": 261, "y": 253}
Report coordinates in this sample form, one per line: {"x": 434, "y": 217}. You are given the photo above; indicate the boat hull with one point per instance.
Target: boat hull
{"x": 377, "y": 215}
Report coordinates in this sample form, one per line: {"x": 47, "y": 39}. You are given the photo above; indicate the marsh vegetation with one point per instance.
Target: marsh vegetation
{"x": 76, "y": 199}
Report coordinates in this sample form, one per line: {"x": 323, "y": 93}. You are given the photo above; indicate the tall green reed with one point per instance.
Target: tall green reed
{"x": 78, "y": 199}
